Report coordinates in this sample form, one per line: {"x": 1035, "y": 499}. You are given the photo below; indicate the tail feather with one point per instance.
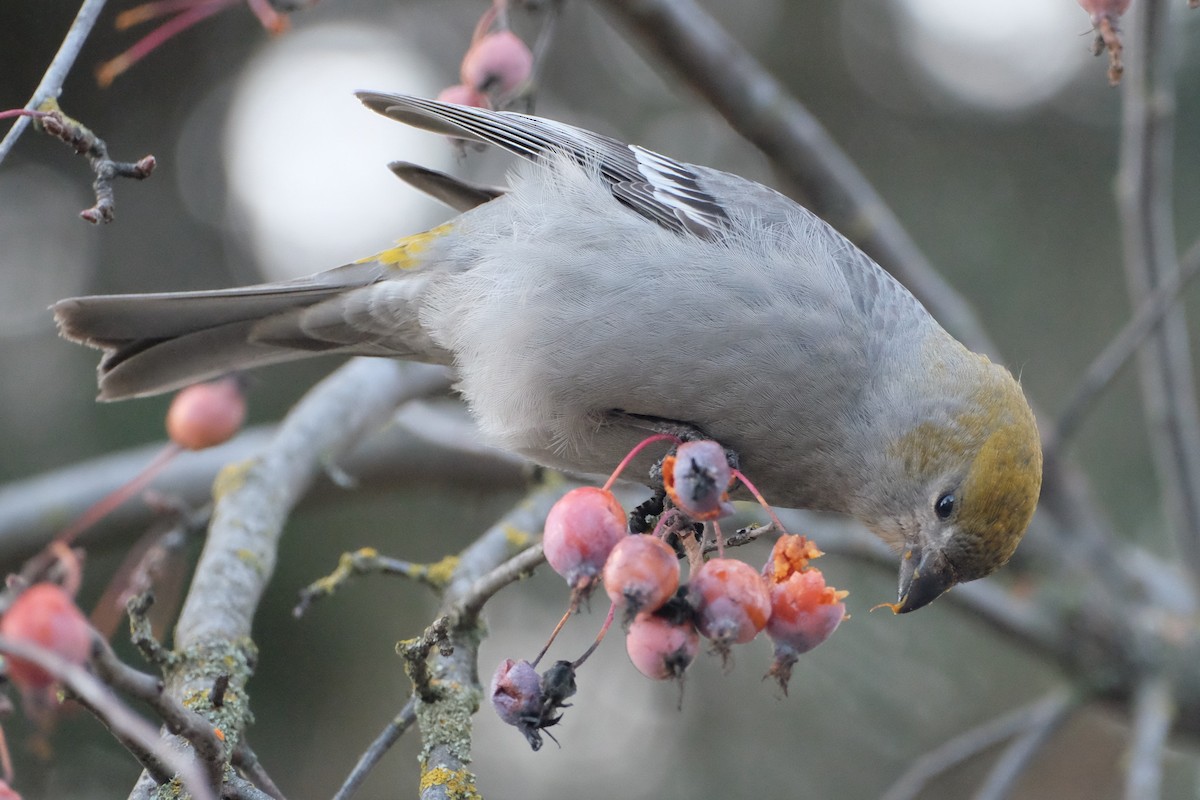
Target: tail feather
{"x": 155, "y": 343}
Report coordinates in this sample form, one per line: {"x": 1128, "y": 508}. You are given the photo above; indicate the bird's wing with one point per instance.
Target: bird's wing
{"x": 665, "y": 191}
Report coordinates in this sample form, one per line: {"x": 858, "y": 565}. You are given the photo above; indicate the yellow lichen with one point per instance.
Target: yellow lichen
{"x": 458, "y": 783}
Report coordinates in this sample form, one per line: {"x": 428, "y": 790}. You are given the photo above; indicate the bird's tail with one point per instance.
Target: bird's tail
{"x": 154, "y": 343}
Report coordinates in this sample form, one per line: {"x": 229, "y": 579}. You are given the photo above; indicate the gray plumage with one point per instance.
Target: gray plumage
{"x": 607, "y": 290}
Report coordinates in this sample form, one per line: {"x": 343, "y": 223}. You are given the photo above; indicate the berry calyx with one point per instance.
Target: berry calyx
{"x": 697, "y": 479}
{"x": 641, "y": 573}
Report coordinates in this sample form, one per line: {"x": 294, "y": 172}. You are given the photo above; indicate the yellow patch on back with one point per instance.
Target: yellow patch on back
{"x": 405, "y": 254}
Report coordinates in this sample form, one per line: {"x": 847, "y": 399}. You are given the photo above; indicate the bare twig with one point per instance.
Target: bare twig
{"x": 56, "y": 74}
{"x": 246, "y": 761}
{"x": 970, "y": 743}
{"x": 426, "y": 446}
{"x": 1016, "y": 758}
{"x": 383, "y": 742}
{"x": 138, "y": 735}
{"x": 369, "y": 561}
{"x": 1153, "y": 713}
{"x": 1105, "y": 367}
{"x": 1144, "y": 187}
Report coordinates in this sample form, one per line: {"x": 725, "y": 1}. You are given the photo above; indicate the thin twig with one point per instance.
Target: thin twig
{"x": 383, "y": 742}
{"x": 246, "y": 761}
{"x": 1105, "y": 367}
{"x": 1016, "y": 758}
{"x": 970, "y": 743}
{"x": 1144, "y": 194}
{"x": 56, "y": 74}
{"x": 138, "y": 735}
{"x": 1153, "y": 713}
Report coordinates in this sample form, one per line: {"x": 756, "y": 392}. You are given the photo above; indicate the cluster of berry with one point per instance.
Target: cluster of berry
{"x": 587, "y": 540}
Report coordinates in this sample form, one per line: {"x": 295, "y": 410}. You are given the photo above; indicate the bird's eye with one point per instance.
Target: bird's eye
{"x": 944, "y": 505}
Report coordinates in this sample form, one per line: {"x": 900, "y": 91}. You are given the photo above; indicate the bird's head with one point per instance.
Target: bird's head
{"x": 969, "y": 475}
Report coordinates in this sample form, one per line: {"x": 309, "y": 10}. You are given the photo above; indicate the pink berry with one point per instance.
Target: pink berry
{"x": 732, "y": 602}
{"x": 463, "y": 96}
{"x": 581, "y": 530}
{"x": 641, "y": 573}
{"x": 206, "y": 414}
{"x": 498, "y": 63}
{"x": 661, "y": 648}
{"x": 516, "y": 692}
{"x": 697, "y": 479}
{"x": 46, "y": 616}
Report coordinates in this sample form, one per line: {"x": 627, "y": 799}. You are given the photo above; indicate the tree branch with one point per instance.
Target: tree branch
{"x": 56, "y": 74}
{"x": 1144, "y": 187}
{"x": 1153, "y": 712}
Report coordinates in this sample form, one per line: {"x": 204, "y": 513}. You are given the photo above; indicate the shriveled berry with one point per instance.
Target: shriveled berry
{"x": 661, "y": 648}
{"x": 497, "y": 63}
{"x": 46, "y": 616}
{"x": 732, "y": 602}
{"x": 697, "y": 479}
{"x": 581, "y": 530}
{"x": 1104, "y": 8}
{"x": 641, "y": 574}
{"x": 206, "y": 414}
{"x": 463, "y": 96}
{"x": 516, "y": 692}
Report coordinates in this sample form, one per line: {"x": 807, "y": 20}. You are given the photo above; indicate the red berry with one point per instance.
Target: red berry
{"x": 206, "y": 414}
{"x": 7, "y": 792}
{"x": 497, "y": 63}
{"x": 804, "y": 611}
{"x": 661, "y": 648}
{"x": 463, "y": 96}
{"x": 641, "y": 573}
{"x": 581, "y": 530}
{"x": 46, "y": 616}
{"x": 516, "y": 691}
{"x": 697, "y": 479}
{"x": 733, "y": 604}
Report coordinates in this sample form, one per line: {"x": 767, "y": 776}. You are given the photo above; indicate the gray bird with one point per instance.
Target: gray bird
{"x": 608, "y": 291}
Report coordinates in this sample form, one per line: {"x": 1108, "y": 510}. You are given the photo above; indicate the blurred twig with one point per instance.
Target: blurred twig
{"x": 56, "y": 73}
{"x": 1144, "y": 196}
{"x": 1153, "y": 712}
{"x": 1040, "y": 716}
{"x": 1106, "y": 366}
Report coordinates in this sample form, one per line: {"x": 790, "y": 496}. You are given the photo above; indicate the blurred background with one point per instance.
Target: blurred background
{"x": 987, "y": 126}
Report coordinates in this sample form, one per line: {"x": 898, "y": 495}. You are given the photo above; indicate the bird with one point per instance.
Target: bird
{"x": 607, "y": 291}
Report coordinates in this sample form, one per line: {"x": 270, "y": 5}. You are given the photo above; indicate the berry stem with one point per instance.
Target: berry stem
{"x": 107, "y": 504}
{"x": 658, "y": 437}
{"x": 608, "y": 621}
{"x": 571, "y": 609}
{"x": 737, "y": 473}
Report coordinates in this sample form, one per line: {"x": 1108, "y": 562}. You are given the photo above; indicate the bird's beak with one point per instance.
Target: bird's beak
{"x": 924, "y": 575}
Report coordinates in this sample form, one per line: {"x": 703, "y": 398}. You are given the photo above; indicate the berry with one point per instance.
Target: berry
{"x": 804, "y": 611}
{"x": 498, "y": 63}
{"x": 46, "y": 616}
{"x": 641, "y": 574}
{"x": 581, "y": 530}
{"x": 697, "y": 479}
{"x": 516, "y": 691}
{"x": 206, "y": 414}
{"x": 732, "y": 602}
{"x": 661, "y": 647}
